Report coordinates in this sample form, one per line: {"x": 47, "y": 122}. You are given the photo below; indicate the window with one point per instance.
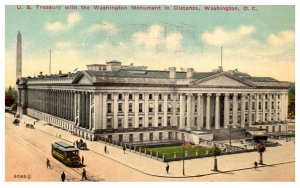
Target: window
{"x": 150, "y": 107}
{"x": 141, "y": 137}
{"x": 130, "y": 97}
{"x": 273, "y": 105}
{"x": 109, "y": 123}
{"x": 178, "y": 107}
{"x": 130, "y": 122}
{"x": 109, "y": 108}
{"x": 120, "y": 96}
{"x": 140, "y": 107}
{"x": 150, "y": 122}
{"x": 151, "y": 136}
{"x": 278, "y": 105}
{"x": 230, "y": 106}
{"x": 130, "y": 137}
{"x": 259, "y": 105}
{"x": 239, "y": 107}
{"x": 160, "y": 107}
{"x": 150, "y": 96}
{"x": 169, "y": 121}
{"x": 253, "y": 105}
{"x": 266, "y": 116}
{"x": 130, "y": 107}
{"x": 246, "y": 105}
{"x": 160, "y": 96}
{"x": 109, "y": 96}
{"x": 120, "y": 138}
{"x": 195, "y": 121}
{"x": 169, "y": 107}
{"x": 159, "y": 121}
{"x": 140, "y": 96}
{"x": 169, "y": 96}
{"x": 119, "y": 122}
{"x": 120, "y": 105}
{"x": 140, "y": 122}
{"x": 196, "y": 107}
{"x": 160, "y": 136}
{"x": 169, "y": 135}
{"x": 266, "y": 105}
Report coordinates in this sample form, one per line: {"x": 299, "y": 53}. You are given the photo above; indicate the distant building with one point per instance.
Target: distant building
{"x": 133, "y": 104}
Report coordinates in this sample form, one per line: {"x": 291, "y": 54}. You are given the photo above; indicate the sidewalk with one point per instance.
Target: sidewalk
{"x": 193, "y": 168}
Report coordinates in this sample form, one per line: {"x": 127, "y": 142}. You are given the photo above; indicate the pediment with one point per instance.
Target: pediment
{"x": 83, "y": 79}
{"x": 221, "y": 80}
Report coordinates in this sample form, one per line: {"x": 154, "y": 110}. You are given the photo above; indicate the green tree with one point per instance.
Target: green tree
{"x": 11, "y": 98}
{"x": 216, "y": 152}
{"x": 291, "y": 107}
{"x": 260, "y": 148}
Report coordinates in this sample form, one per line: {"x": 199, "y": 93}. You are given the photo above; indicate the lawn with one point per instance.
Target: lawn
{"x": 169, "y": 151}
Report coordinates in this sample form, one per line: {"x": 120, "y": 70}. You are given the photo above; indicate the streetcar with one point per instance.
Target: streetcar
{"x": 66, "y": 153}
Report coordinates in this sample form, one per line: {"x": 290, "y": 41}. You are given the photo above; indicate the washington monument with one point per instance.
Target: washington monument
{"x": 19, "y": 57}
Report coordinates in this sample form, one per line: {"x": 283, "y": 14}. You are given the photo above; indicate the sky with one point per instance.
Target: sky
{"x": 260, "y": 42}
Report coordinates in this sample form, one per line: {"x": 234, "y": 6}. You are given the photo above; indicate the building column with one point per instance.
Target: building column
{"x": 217, "y": 111}
{"x": 243, "y": 111}
{"x": 104, "y": 112}
{"x": 91, "y": 115}
{"x": 234, "y": 110}
{"x": 208, "y": 111}
{"x": 182, "y": 111}
{"x": 257, "y": 108}
{"x": 155, "y": 120}
{"x": 189, "y": 113}
{"x": 146, "y": 107}
{"x": 136, "y": 110}
{"x": 276, "y": 107}
{"x": 174, "y": 110}
{"x": 115, "y": 111}
{"x": 199, "y": 112}
{"x": 270, "y": 108}
{"x": 165, "y": 109}
{"x": 226, "y": 110}
{"x": 263, "y": 107}
{"x": 126, "y": 106}
{"x": 250, "y": 111}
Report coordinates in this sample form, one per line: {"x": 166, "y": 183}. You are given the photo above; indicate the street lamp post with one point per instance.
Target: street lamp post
{"x": 229, "y": 133}
{"x": 286, "y": 130}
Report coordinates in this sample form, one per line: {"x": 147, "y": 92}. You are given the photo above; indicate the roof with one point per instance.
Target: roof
{"x": 64, "y": 146}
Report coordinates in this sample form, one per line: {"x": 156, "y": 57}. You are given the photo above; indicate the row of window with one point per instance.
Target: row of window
{"x": 170, "y": 107}
{"x": 141, "y": 137}
{"x": 160, "y": 96}
{"x": 160, "y": 120}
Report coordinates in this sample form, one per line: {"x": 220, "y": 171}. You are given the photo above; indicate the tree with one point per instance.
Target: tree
{"x": 291, "y": 107}
{"x": 216, "y": 152}
{"x": 11, "y": 98}
{"x": 260, "y": 147}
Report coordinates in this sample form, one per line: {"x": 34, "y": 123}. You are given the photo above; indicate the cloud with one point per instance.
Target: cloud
{"x": 221, "y": 37}
{"x": 58, "y": 26}
{"x": 63, "y": 45}
{"x": 154, "y": 37}
{"x": 104, "y": 26}
{"x": 283, "y": 39}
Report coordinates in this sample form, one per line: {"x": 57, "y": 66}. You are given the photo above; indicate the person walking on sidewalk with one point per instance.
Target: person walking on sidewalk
{"x": 255, "y": 165}
{"x": 82, "y": 160}
{"x": 84, "y": 174}
{"x": 63, "y": 176}
{"x": 167, "y": 168}
{"x": 48, "y": 163}
{"x": 124, "y": 148}
{"x": 105, "y": 149}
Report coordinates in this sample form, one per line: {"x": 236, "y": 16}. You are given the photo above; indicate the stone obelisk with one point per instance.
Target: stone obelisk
{"x": 19, "y": 57}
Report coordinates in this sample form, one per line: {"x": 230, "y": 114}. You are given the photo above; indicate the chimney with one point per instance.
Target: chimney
{"x": 172, "y": 72}
{"x": 189, "y": 73}
{"x": 59, "y": 72}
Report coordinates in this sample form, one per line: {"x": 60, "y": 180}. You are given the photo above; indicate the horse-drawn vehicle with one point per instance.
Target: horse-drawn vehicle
{"x": 81, "y": 145}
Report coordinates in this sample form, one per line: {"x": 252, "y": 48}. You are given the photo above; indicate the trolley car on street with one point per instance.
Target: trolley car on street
{"x": 66, "y": 153}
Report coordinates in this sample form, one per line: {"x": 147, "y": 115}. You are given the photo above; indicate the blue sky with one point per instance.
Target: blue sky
{"x": 260, "y": 42}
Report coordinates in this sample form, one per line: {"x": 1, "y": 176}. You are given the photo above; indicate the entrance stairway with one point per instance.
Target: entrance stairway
{"x": 224, "y": 134}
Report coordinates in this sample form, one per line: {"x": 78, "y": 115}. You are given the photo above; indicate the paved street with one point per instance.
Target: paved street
{"x": 27, "y": 150}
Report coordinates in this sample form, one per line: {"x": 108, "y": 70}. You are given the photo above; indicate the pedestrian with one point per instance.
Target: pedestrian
{"x": 105, "y": 149}
{"x": 48, "y": 163}
{"x": 124, "y": 148}
{"x": 63, "y": 176}
{"x": 84, "y": 174}
{"x": 246, "y": 133}
{"x": 82, "y": 160}
{"x": 167, "y": 168}
{"x": 255, "y": 165}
